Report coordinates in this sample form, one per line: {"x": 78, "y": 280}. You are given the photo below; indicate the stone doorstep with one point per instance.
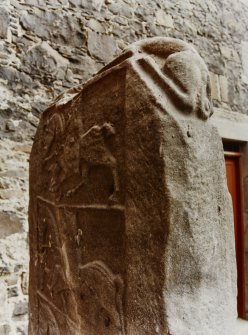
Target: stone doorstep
{"x": 241, "y": 327}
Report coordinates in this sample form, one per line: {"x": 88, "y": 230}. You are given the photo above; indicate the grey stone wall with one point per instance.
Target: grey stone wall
{"x": 47, "y": 46}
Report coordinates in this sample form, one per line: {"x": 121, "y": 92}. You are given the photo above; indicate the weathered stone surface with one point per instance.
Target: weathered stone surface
{"x": 45, "y": 62}
{"x": 131, "y": 226}
{"x": 20, "y": 308}
{"x": 4, "y": 329}
{"x": 4, "y": 22}
{"x": 223, "y": 88}
{"x": 245, "y": 61}
{"x": 16, "y": 79}
{"x": 164, "y": 19}
{"x": 13, "y": 228}
{"x": 96, "y": 26}
{"x": 94, "y": 5}
{"x": 23, "y": 329}
{"x": 120, "y": 8}
{"x": 3, "y": 300}
{"x": 12, "y": 291}
{"x": 54, "y": 27}
{"x": 10, "y": 125}
{"x": 215, "y": 86}
{"x": 101, "y": 47}
{"x": 24, "y": 283}
{"x": 9, "y": 224}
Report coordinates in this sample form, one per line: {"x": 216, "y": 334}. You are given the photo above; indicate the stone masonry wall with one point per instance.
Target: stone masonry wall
{"x": 48, "y": 46}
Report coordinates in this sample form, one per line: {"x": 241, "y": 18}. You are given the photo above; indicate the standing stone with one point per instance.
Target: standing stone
{"x": 131, "y": 229}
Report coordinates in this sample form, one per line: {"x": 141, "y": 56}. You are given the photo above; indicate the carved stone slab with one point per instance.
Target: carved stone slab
{"x": 131, "y": 229}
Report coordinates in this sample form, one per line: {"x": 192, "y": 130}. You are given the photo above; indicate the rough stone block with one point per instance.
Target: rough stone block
{"x": 223, "y": 88}
{"x": 121, "y": 8}
{"x": 215, "y": 86}
{"x": 5, "y": 329}
{"x": 12, "y": 291}
{"x": 24, "y": 283}
{"x": 22, "y": 329}
{"x": 164, "y": 19}
{"x": 52, "y": 26}
{"x": 17, "y": 80}
{"x": 226, "y": 52}
{"x": 244, "y": 46}
{"x": 3, "y": 300}
{"x": 10, "y": 126}
{"x": 20, "y": 308}
{"x": 131, "y": 228}
{"x": 44, "y": 61}
{"x": 96, "y": 26}
{"x": 4, "y": 22}
{"x": 102, "y": 47}
{"x": 9, "y": 224}
{"x": 12, "y": 280}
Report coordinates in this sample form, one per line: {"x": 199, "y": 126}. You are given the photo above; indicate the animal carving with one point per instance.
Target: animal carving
{"x": 175, "y": 67}
{"x": 79, "y": 155}
{"x": 101, "y": 299}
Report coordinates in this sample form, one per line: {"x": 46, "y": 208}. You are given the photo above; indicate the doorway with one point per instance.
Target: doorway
{"x": 233, "y": 173}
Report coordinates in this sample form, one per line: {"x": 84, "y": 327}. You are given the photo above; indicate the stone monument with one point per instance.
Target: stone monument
{"x": 131, "y": 229}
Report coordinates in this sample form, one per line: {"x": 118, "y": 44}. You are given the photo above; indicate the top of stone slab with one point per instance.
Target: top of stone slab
{"x": 168, "y": 66}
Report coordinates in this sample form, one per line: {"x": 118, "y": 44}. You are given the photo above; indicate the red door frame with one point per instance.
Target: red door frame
{"x": 235, "y": 159}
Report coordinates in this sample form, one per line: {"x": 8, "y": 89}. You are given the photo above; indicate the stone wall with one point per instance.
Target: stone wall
{"x": 47, "y": 46}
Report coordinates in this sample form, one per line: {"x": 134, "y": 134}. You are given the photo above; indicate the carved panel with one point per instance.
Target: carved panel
{"x": 54, "y": 289}
{"x": 74, "y": 290}
{"x": 78, "y": 156}
{"x": 80, "y": 160}
{"x": 77, "y": 178}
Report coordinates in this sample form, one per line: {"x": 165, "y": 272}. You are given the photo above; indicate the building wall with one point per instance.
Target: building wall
{"x": 47, "y": 46}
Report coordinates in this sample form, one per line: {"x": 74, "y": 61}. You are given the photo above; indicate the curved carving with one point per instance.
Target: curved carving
{"x": 52, "y": 279}
{"x": 53, "y": 130}
{"x": 177, "y": 68}
{"x": 101, "y": 294}
{"x": 47, "y": 321}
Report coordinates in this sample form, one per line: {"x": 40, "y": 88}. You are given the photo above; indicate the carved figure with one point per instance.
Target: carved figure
{"x": 79, "y": 155}
{"x": 52, "y": 277}
{"x": 101, "y": 294}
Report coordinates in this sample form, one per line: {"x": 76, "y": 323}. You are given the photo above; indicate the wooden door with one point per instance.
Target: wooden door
{"x": 234, "y": 186}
